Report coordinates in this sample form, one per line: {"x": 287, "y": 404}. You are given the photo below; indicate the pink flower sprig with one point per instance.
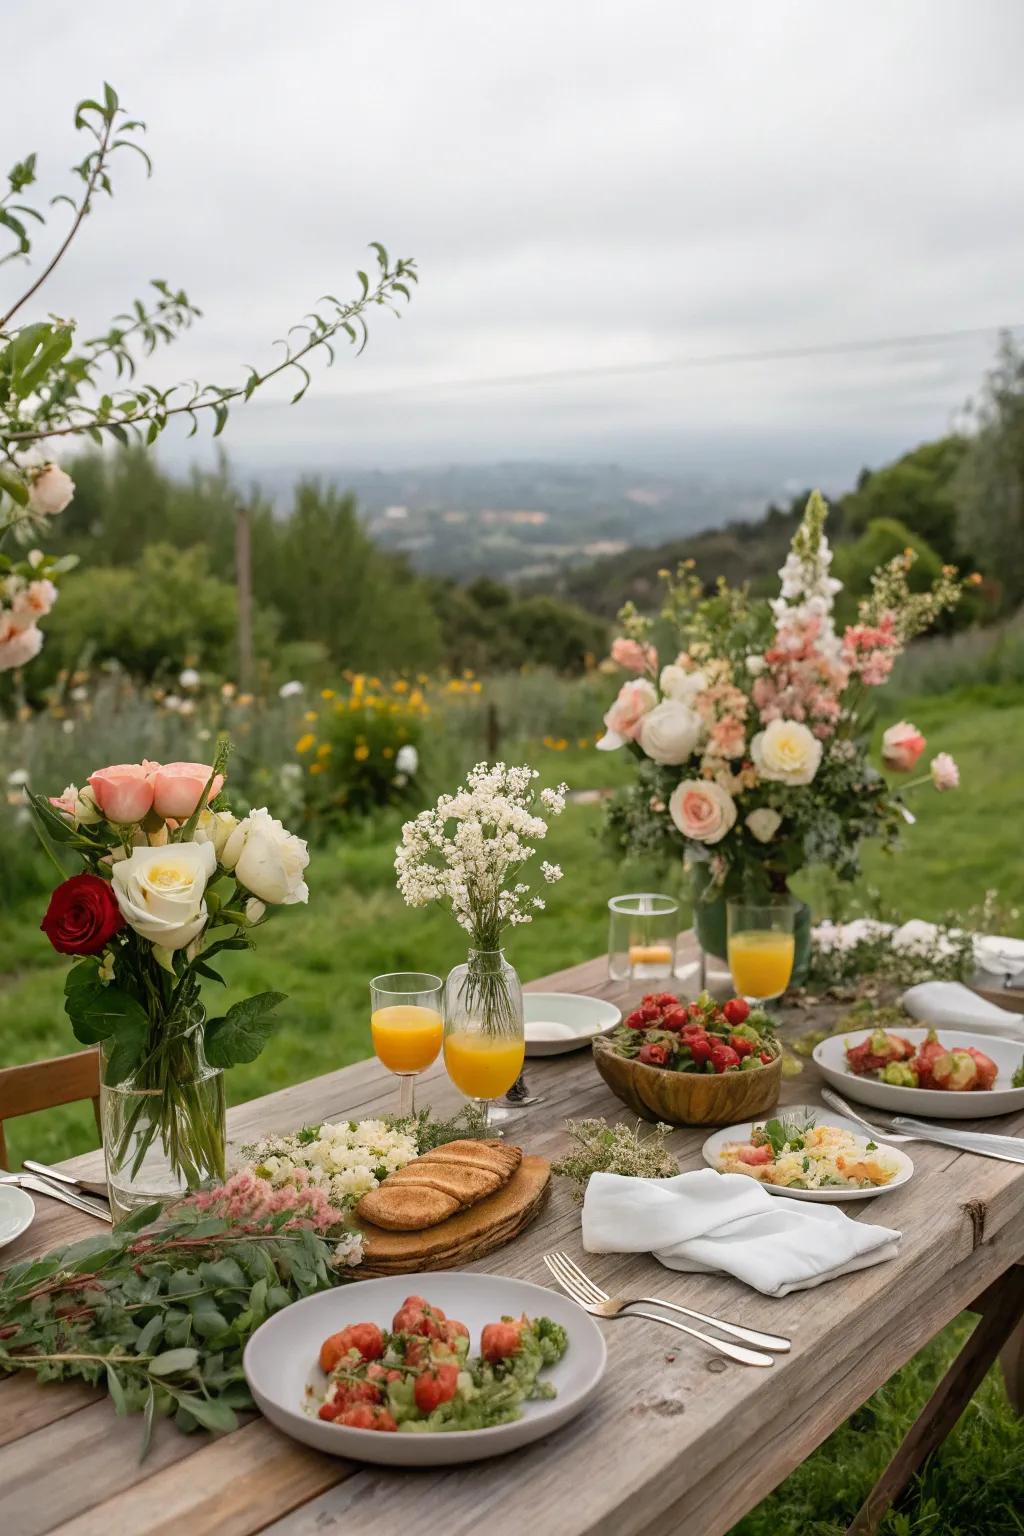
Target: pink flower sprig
{"x": 250, "y": 1204}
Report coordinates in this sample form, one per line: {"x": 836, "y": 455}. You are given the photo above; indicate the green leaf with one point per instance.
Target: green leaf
{"x": 150, "y": 1333}
{"x": 210, "y": 1412}
{"x": 98, "y": 1012}
{"x": 149, "y": 1414}
{"x": 174, "y": 1361}
{"x": 116, "y": 1391}
{"x": 15, "y": 487}
{"x": 240, "y": 1034}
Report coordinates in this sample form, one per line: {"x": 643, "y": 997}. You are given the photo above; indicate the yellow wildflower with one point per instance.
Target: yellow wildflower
{"x": 305, "y": 742}
{"x": 388, "y": 752}
{"x": 310, "y": 716}
{"x": 324, "y": 749}
{"x": 316, "y": 767}
{"x": 327, "y": 693}
{"x": 400, "y": 685}
{"x": 361, "y": 753}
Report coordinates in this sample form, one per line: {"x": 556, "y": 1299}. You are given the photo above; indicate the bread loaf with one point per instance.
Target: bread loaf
{"x": 438, "y": 1184}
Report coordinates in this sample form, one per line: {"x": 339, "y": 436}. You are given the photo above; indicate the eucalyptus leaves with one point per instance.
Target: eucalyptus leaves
{"x": 51, "y": 388}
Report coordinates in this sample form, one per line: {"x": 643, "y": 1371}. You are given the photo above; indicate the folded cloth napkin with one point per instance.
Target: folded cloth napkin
{"x": 951, "y": 1005}
{"x": 706, "y": 1221}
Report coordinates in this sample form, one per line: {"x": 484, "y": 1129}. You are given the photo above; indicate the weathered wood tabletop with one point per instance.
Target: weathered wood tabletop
{"x": 677, "y": 1440}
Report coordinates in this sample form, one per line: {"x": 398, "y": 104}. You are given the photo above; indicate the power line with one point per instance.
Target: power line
{"x": 705, "y": 360}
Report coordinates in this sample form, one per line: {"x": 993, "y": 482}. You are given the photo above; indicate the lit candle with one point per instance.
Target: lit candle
{"x": 650, "y": 954}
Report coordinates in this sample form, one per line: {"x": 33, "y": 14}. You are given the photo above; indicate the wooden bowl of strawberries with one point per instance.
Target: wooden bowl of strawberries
{"x": 699, "y": 1063}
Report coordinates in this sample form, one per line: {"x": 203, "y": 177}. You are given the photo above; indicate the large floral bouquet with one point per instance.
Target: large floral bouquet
{"x": 751, "y": 744}
{"x": 172, "y": 880}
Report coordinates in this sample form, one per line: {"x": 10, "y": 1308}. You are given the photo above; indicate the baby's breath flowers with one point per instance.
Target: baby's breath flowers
{"x": 466, "y": 851}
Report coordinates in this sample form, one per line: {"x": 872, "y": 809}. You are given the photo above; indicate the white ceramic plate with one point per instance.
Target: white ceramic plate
{"x": 556, "y": 1022}
{"x": 17, "y": 1213}
{"x": 280, "y": 1361}
{"x": 1003, "y": 1099}
{"x": 714, "y": 1144}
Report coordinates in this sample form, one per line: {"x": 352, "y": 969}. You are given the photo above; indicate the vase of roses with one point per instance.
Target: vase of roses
{"x": 752, "y": 743}
{"x": 172, "y": 880}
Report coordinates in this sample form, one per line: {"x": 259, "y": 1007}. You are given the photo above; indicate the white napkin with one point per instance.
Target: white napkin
{"x": 706, "y": 1221}
{"x": 951, "y": 1005}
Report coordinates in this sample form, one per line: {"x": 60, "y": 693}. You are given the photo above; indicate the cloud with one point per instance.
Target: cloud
{"x": 583, "y": 185}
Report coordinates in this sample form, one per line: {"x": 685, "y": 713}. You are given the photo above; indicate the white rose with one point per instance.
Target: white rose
{"x": 756, "y": 665}
{"x": 189, "y": 678}
{"x": 161, "y": 891}
{"x": 764, "y": 823}
{"x": 702, "y": 810}
{"x": 215, "y": 827}
{"x": 50, "y": 491}
{"x": 677, "y": 683}
{"x": 670, "y": 731}
{"x": 267, "y": 860}
{"x": 787, "y": 752}
{"x": 407, "y": 760}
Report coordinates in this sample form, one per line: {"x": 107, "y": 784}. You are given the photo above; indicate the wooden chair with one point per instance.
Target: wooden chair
{"x": 45, "y": 1084}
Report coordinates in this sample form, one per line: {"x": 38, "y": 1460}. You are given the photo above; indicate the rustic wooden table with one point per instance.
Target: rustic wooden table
{"x": 677, "y": 1441}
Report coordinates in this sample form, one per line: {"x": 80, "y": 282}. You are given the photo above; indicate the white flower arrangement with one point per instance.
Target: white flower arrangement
{"x": 466, "y": 851}
{"x": 345, "y": 1160}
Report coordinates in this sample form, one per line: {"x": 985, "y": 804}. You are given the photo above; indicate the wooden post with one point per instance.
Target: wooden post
{"x": 243, "y": 579}
{"x": 493, "y": 733}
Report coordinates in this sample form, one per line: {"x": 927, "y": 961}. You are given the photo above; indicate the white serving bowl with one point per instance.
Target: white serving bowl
{"x": 17, "y": 1213}
{"x": 1002, "y": 1099}
{"x": 556, "y": 1022}
{"x": 281, "y": 1362}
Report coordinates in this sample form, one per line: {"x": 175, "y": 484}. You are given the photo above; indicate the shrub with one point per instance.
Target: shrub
{"x": 360, "y": 749}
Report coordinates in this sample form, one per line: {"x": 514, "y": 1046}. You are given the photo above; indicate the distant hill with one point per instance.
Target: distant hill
{"x": 748, "y": 551}
{"x": 531, "y": 522}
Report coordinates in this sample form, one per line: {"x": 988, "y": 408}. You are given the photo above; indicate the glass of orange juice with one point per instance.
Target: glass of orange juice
{"x": 484, "y": 1037}
{"x": 406, "y": 1027}
{"x": 761, "y": 946}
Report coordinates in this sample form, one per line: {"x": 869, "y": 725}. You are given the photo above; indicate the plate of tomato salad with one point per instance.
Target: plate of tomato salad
{"x": 426, "y": 1369}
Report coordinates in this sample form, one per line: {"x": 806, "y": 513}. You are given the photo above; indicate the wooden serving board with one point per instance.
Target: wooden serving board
{"x": 470, "y": 1234}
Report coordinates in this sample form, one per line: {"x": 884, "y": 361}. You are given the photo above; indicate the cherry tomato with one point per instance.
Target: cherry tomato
{"x": 417, "y": 1316}
{"x": 636, "y": 1020}
{"x": 736, "y": 1010}
{"x": 365, "y": 1339}
{"x": 653, "y": 1054}
{"x": 767, "y": 1058}
{"x": 699, "y": 1046}
{"x": 741, "y": 1045}
{"x": 666, "y": 999}
{"x": 363, "y": 1416}
{"x": 650, "y": 1013}
{"x": 674, "y": 1018}
{"x": 435, "y": 1386}
{"x": 499, "y": 1341}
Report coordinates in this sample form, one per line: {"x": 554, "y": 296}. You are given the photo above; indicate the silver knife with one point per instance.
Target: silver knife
{"x": 66, "y": 1196}
{"x": 94, "y": 1187}
{"x": 1009, "y": 1149}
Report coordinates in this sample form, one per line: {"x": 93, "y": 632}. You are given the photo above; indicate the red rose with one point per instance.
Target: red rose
{"x": 83, "y": 916}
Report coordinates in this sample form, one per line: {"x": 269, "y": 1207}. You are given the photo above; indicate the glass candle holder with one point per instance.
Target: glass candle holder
{"x": 642, "y": 933}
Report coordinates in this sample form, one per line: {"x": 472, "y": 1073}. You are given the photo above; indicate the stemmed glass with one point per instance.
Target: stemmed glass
{"x": 406, "y": 1027}
{"x": 762, "y": 946}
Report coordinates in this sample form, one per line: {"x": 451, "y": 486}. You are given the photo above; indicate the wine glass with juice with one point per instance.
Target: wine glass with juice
{"x": 484, "y": 1036}
{"x": 406, "y": 1027}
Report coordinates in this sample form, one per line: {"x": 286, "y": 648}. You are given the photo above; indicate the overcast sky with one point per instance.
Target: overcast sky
{"x": 585, "y": 185}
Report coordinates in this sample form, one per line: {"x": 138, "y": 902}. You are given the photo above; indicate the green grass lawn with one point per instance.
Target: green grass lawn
{"x": 356, "y": 926}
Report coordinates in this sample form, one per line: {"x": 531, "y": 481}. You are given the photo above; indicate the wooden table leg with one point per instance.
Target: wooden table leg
{"x": 1011, "y": 1359}
{"x": 1002, "y": 1318}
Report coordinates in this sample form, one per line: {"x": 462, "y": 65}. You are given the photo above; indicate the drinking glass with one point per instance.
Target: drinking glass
{"x": 761, "y": 946}
{"x": 484, "y": 1036}
{"x": 406, "y": 1027}
{"x": 642, "y": 937}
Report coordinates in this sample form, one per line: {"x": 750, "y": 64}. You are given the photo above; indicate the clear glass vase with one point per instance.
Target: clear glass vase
{"x": 484, "y": 1042}
{"x": 163, "y": 1125}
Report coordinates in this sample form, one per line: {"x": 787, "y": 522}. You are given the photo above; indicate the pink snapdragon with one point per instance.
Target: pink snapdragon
{"x": 249, "y": 1202}
{"x": 869, "y": 650}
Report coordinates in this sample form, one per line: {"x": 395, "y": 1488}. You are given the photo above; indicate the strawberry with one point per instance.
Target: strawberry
{"x": 636, "y": 1020}
{"x": 653, "y": 1054}
{"x": 700, "y": 1046}
{"x": 741, "y": 1045}
{"x": 723, "y": 1056}
{"x": 767, "y": 1058}
{"x": 674, "y": 1018}
{"x": 737, "y": 1010}
{"x": 650, "y": 1013}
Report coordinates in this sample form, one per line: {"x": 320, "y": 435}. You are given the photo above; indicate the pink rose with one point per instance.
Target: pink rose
{"x": 944, "y": 771}
{"x": 66, "y": 802}
{"x": 124, "y": 791}
{"x": 702, "y": 810}
{"x": 632, "y": 656}
{"x": 18, "y": 645}
{"x": 902, "y": 745}
{"x": 626, "y": 715}
{"x": 177, "y": 788}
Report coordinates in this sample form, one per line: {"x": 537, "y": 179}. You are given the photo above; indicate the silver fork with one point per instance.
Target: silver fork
{"x": 592, "y": 1299}
{"x": 65, "y": 1196}
{"x": 1005, "y": 1149}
